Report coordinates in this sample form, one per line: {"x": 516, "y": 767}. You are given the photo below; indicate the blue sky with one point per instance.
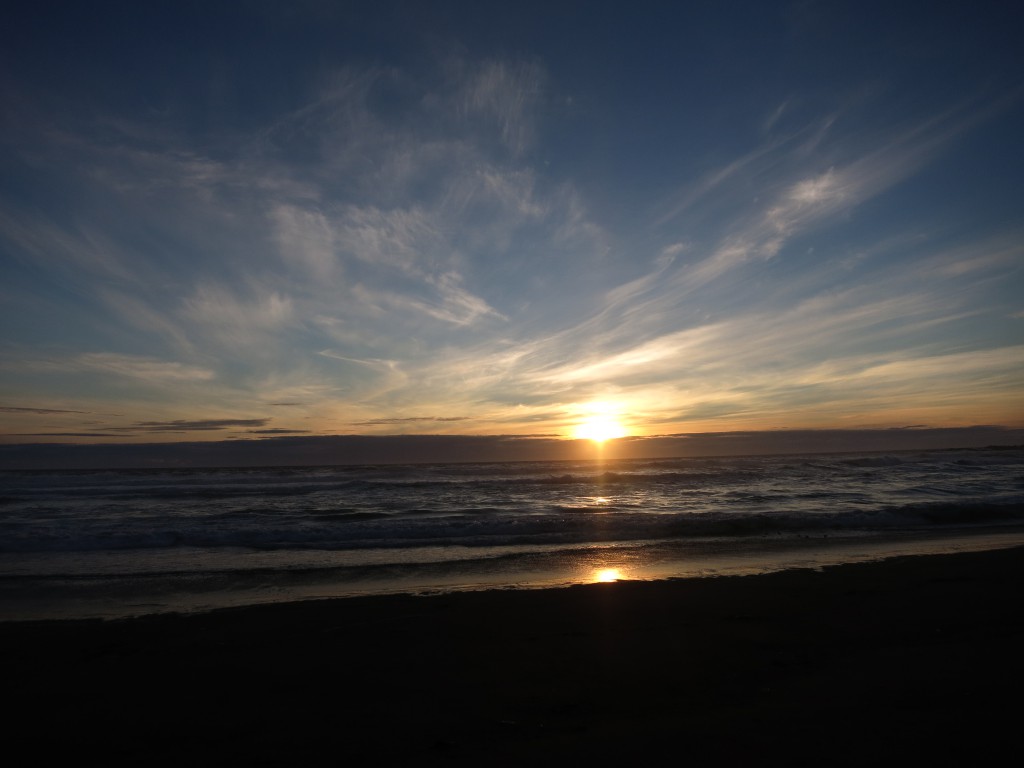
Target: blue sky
{"x": 250, "y": 220}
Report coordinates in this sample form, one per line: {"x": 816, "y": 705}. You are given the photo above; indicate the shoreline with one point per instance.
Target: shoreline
{"x": 136, "y": 585}
{"x": 908, "y": 658}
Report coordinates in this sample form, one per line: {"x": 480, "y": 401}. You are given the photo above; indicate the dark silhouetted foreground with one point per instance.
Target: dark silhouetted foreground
{"x": 908, "y": 661}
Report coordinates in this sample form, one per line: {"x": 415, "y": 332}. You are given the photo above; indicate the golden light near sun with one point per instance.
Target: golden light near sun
{"x": 600, "y": 423}
{"x": 605, "y": 575}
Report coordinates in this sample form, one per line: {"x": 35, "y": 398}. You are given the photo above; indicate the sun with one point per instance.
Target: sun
{"x": 599, "y": 427}
{"x": 606, "y": 575}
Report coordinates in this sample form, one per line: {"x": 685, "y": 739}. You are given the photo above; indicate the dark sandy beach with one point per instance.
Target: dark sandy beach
{"x": 910, "y": 660}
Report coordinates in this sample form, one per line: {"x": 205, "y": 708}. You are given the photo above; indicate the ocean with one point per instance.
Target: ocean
{"x": 109, "y": 544}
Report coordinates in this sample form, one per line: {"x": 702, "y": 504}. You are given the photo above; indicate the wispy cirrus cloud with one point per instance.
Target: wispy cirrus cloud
{"x": 506, "y": 92}
{"x": 405, "y": 180}
{"x": 498, "y": 236}
{"x": 801, "y": 196}
{"x": 236, "y": 322}
{"x": 130, "y": 366}
{"x": 305, "y": 236}
{"x": 454, "y": 305}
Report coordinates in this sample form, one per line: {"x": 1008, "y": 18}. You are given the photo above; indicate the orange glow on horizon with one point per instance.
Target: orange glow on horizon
{"x": 600, "y": 423}
{"x": 605, "y": 575}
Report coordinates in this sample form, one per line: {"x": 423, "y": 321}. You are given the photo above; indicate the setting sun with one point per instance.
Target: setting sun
{"x": 599, "y": 422}
{"x": 606, "y": 575}
{"x": 599, "y": 429}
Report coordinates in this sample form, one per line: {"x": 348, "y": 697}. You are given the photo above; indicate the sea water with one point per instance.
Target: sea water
{"x": 120, "y": 543}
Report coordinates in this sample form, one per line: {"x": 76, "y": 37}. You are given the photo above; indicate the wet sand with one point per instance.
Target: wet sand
{"x": 902, "y": 661}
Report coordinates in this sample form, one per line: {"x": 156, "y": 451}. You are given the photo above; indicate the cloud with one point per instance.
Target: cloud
{"x": 798, "y": 195}
{"x": 649, "y": 358}
{"x": 65, "y": 248}
{"x": 107, "y": 435}
{"x": 995, "y": 253}
{"x": 142, "y": 314}
{"x": 175, "y": 168}
{"x": 17, "y": 409}
{"x": 130, "y": 366}
{"x": 400, "y": 240}
{"x": 199, "y": 425}
{"x": 505, "y": 92}
{"x": 383, "y": 375}
{"x": 408, "y": 420}
{"x": 238, "y": 323}
{"x": 749, "y": 364}
{"x": 799, "y": 206}
{"x": 456, "y": 305}
{"x": 273, "y": 252}
{"x": 698, "y": 192}
{"x": 306, "y": 237}
{"x": 937, "y": 371}
{"x": 774, "y": 117}
{"x": 630, "y": 292}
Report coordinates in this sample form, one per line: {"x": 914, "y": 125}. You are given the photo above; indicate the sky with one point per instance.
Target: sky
{"x": 279, "y": 221}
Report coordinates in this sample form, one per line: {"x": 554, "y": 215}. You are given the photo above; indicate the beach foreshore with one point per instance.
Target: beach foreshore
{"x": 126, "y": 584}
{"x": 905, "y": 660}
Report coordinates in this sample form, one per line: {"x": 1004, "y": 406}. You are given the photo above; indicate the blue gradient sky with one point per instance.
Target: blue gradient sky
{"x": 264, "y": 219}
